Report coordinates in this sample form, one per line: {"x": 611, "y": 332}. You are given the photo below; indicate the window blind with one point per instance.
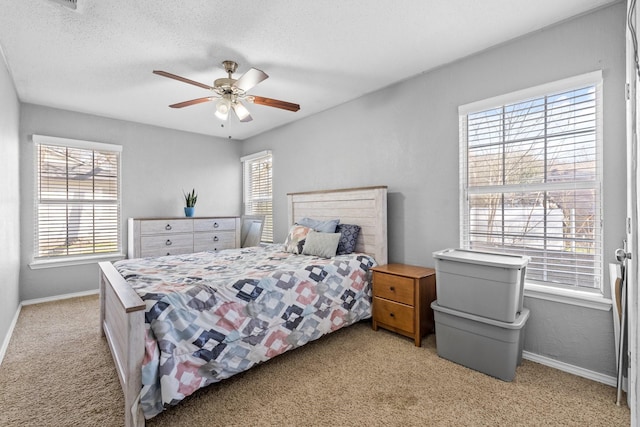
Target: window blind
{"x": 258, "y": 193}
{"x": 77, "y": 198}
{"x": 530, "y": 175}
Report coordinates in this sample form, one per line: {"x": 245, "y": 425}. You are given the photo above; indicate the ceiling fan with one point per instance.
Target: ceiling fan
{"x": 230, "y": 92}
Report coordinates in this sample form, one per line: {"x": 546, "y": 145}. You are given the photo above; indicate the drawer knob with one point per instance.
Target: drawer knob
{"x": 392, "y": 315}
{"x": 215, "y": 238}
{"x": 392, "y": 288}
{"x": 168, "y": 253}
{"x": 167, "y": 227}
{"x": 168, "y": 242}
{"x": 215, "y": 225}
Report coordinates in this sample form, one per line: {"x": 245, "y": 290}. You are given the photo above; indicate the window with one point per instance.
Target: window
{"x": 77, "y": 201}
{"x": 530, "y": 175}
{"x": 257, "y": 188}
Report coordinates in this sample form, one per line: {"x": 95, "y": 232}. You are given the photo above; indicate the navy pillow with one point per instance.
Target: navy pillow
{"x": 348, "y": 238}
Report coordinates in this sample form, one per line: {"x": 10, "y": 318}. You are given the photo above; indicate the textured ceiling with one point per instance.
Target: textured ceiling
{"x": 99, "y": 58}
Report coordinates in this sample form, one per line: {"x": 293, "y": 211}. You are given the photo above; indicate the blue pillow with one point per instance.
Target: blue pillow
{"x": 348, "y": 238}
{"x": 328, "y": 226}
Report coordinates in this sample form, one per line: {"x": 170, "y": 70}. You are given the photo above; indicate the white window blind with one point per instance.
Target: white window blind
{"x": 77, "y": 203}
{"x": 258, "y": 193}
{"x": 530, "y": 174}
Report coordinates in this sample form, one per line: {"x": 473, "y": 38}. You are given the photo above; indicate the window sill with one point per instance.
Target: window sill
{"x": 565, "y": 296}
{"x": 71, "y": 261}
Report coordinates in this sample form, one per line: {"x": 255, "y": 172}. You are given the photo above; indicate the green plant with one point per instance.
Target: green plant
{"x": 190, "y": 198}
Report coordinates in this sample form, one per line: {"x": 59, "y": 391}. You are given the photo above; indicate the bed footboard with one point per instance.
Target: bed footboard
{"x": 122, "y": 323}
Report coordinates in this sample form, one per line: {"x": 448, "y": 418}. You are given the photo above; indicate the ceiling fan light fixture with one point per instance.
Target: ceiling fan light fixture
{"x": 228, "y": 93}
{"x": 241, "y": 111}
{"x": 222, "y": 108}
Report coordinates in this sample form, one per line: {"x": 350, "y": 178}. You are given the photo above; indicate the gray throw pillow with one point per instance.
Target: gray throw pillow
{"x": 321, "y": 244}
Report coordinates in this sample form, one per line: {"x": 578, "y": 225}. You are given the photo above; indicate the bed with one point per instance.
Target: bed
{"x": 248, "y": 336}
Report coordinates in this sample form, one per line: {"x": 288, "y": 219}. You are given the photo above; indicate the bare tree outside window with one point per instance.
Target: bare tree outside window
{"x": 533, "y": 187}
{"x": 77, "y": 204}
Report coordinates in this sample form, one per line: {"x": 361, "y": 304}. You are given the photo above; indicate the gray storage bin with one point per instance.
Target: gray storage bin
{"x": 489, "y": 346}
{"x": 483, "y": 283}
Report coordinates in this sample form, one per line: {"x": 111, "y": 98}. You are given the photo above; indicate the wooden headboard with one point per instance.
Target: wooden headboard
{"x": 366, "y": 207}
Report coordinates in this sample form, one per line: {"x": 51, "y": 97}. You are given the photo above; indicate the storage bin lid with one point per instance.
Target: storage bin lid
{"x": 521, "y": 318}
{"x": 483, "y": 258}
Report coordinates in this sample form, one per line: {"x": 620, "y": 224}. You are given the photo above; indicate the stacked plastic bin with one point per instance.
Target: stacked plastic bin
{"x": 479, "y": 315}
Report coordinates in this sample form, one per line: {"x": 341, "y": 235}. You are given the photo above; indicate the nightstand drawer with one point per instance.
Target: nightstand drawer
{"x": 398, "y": 316}
{"x": 392, "y": 287}
{"x": 402, "y": 297}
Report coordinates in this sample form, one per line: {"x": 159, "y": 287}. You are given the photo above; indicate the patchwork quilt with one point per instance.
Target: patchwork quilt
{"x": 210, "y": 315}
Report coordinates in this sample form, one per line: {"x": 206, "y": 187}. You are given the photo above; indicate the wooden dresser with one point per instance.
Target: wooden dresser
{"x": 149, "y": 237}
{"x": 402, "y": 296}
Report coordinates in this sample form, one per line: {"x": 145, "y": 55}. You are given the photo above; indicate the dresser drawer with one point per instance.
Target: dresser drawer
{"x": 158, "y": 226}
{"x": 168, "y": 244}
{"x": 396, "y": 315}
{"x": 392, "y": 287}
{"x": 216, "y": 241}
{"x": 214, "y": 224}
{"x": 145, "y": 253}
{"x": 159, "y": 236}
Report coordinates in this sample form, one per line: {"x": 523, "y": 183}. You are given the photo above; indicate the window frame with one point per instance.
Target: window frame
{"x": 248, "y": 160}
{"x": 39, "y": 262}
{"x": 591, "y": 297}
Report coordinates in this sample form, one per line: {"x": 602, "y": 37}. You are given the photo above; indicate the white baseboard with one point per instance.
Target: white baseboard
{"x": 7, "y": 338}
{"x": 572, "y": 369}
{"x": 59, "y": 297}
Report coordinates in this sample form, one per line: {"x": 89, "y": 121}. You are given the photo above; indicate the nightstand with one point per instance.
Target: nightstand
{"x": 402, "y": 296}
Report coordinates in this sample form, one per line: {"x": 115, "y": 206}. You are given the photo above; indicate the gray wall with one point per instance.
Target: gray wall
{"x": 157, "y": 164}
{"x": 406, "y": 137}
{"x": 9, "y": 201}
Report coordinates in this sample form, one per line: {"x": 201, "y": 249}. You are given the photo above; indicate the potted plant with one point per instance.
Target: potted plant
{"x": 190, "y": 199}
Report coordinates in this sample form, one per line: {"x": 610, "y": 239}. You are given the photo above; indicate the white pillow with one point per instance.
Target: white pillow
{"x": 321, "y": 244}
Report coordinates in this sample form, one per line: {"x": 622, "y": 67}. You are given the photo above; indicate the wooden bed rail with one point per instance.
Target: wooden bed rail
{"x": 122, "y": 323}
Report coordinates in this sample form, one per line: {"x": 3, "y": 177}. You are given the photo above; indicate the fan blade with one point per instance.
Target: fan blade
{"x": 182, "y": 79}
{"x": 241, "y": 111}
{"x": 250, "y": 79}
{"x": 192, "y": 102}
{"x": 269, "y": 102}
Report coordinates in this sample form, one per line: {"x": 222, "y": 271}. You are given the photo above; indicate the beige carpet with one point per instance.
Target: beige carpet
{"x": 58, "y": 372}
